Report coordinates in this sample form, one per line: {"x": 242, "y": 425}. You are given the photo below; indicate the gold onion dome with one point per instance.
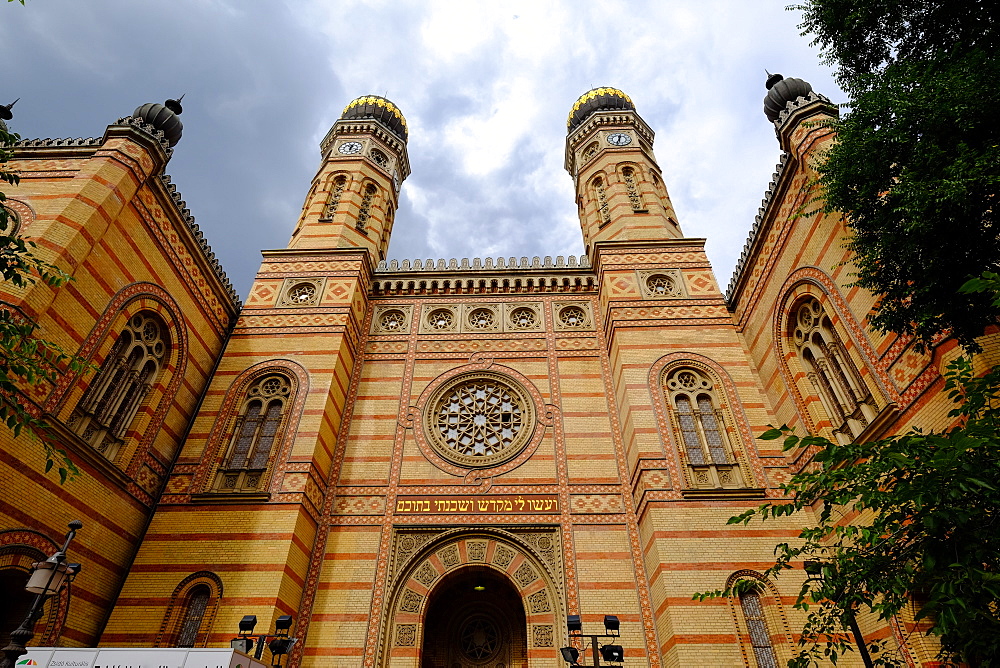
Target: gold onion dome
{"x": 598, "y": 99}
{"x": 379, "y": 109}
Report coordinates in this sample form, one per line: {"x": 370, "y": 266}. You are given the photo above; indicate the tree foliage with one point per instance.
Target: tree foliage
{"x": 909, "y": 520}
{"x": 916, "y": 166}
{"x": 25, "y": 358}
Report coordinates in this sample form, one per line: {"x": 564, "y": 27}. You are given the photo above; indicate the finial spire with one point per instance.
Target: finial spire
{"x": 5, "y": 110}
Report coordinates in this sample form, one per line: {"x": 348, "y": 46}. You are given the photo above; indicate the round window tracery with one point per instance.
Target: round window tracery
{"x": 441, "y": 319}
{"x": 661, "y": 284}
{"x": 393, "y": 320}
{"x": 301, "y": 293}
{"x": 523, "y": 318}
{"x": 482, "y": 318}
{"x": 479, "y": 420}
{"x": 480, "y": 639}
{"x": 572, "y": 316}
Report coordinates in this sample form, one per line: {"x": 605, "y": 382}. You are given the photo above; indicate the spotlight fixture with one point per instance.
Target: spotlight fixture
{"x": 283, "y": 623}
{"x": 242, "y": 644}
{"x": 611, "y": 624}
{"x": 613, "y": 653}
{"x": 573, "y": 623}
{"x": 479, "y": 587}
{"x": 570, "y": 655}
{"x": 281, "y": 645}
{"x": 247, "y": 624}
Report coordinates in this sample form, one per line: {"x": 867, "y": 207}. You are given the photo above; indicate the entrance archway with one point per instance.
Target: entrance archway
{"x": 475, "y": 619}
{"x": 432, "y": 604}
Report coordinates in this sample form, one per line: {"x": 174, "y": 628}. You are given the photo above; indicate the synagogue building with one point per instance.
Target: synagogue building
{"x": 438, "y": 463}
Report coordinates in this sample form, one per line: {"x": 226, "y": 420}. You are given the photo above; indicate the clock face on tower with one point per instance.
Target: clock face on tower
{"x": 350, "y": 147}
{"x": 619, "y": 139}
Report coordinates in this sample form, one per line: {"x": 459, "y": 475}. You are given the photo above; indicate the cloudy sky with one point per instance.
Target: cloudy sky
{"x": 485, "y": 87}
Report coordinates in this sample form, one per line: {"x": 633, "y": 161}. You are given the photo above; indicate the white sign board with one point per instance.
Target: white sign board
{"x": 47, "y": 657}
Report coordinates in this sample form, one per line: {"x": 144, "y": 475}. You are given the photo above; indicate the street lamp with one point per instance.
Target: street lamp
{"x": 47, "y": 578}
{"x": 612, "y": 653}
{"x": 814, "y": 569}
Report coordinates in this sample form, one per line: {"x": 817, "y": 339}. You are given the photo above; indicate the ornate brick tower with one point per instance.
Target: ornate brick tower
{"x": 619, "y": 187}
{"x": 355, "y": 193}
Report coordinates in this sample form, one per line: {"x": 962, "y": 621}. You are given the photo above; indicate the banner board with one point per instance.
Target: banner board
{"x": 182, "y": 657}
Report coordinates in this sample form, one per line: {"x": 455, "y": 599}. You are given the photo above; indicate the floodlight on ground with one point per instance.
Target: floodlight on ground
{"x": 570, "y": 654}
{"x": 573, "y": 623}
{"x": 281, "y": 645}
{"x": 242, "y": 644}
{"x": 611, "y": 624}
{"x": 613, "y": 653}
{"x": 283, "y": 623}
{"x": 247, "y": 624}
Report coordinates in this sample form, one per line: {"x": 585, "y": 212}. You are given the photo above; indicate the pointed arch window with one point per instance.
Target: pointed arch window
{"x": 603, "y": 207}
{"x": 700, "y": 426}
{"x": 110, "y": 403}
{"x": 628, "y": 176}
{"x": 760, "y": 637}
{"x": 365, "y": 214}
{"x": 255, "y": 432}
{"x": 831, "y": 373}
{"x": 333, "y": 201}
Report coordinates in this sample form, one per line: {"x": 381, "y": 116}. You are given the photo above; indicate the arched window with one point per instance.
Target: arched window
{"x": 262, "y": 414}
{"x": 366, "y": 206}
{"x": 830, "y": 371}
{"x": 112, "y": 400}
{"x": 602, "y": 201}
{"x": 628, "y": 176}
{"x": 760, "y": 637}
{"x": 700, "y": 425}
{"x": 333, "y": 201}
{"x": 194, "y": 615}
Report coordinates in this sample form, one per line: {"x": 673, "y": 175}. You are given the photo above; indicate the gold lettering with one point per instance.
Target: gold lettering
{"x": 520, "y": 503}
{"x": 484, "y": 506}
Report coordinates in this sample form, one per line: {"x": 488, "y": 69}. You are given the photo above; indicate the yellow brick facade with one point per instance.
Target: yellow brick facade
{"x": 357, "y": 520}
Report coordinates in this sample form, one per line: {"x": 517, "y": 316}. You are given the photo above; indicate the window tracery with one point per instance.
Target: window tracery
{"x": 333, "y": 201}
{"x": 111, "y": 401}
{"x": 831, "y": 372}
{"x": 254, "y": 434}
{"x": 628, "y": 175}
{"x": 760, "y": 637}
{"x": 366, "y": 206}
{"x": 701, "y": 427}
{"x": 194, "y": 614}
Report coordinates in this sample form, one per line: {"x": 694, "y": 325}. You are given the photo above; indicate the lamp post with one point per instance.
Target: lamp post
{"x": 47, "y": 578}
{"x": 612, "y": 653}
{"x": 814, "y": 569}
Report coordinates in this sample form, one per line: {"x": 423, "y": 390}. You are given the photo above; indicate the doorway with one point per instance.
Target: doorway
{"x": 475, "y": 619}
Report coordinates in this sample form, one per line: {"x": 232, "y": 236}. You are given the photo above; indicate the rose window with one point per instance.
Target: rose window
{"x": 392, "y": 321}
{"x": 523, "y": 318}
{"x": 482, "y": 318}
{"x": 302, "y": 293}
{"x": 442, "y": 319}
{"x": 572, "y": 316}
{"x": 660, "y": 284}
{"x": 480, "y": 639}
{"x": 479, "y": 420}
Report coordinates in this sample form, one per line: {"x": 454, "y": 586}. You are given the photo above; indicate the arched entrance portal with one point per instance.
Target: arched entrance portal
{"x": 475, "y": 619}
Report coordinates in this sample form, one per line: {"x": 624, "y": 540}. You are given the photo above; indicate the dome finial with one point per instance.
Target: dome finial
{"x": 175, "y": 105}
{"x": 163, "y": 117}
{"x": 5, "y": 111}
{"x": 781, "y": 91}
